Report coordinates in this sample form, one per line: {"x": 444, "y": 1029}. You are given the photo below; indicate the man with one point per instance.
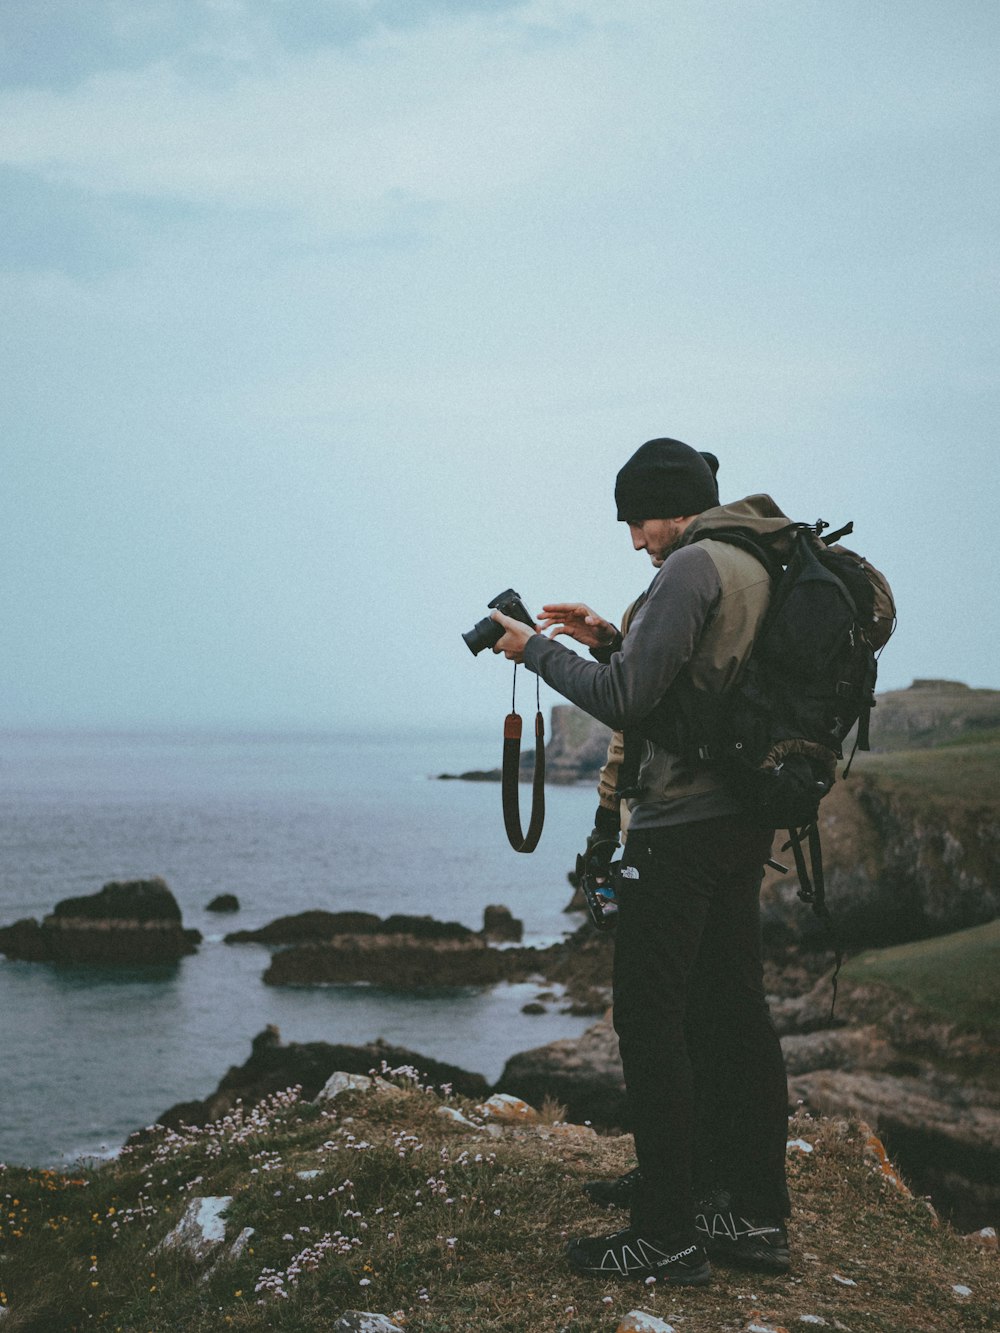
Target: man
{"x": 704, "y": 1074}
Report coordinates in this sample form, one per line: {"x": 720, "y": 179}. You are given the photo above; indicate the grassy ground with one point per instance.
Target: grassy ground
{"x": 954, "y": 976}
{"x": 958, "y": 774}
{"x": 450, "y": 1229}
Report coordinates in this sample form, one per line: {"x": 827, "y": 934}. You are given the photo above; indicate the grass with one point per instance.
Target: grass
{"x": 954, "y": 774}
{"x": 448, "y": 1228}
{"x": 954, "y": 975}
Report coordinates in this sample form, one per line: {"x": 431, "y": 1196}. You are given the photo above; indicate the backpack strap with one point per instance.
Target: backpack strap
{"x": 812, "y": 889}
{"x": 759, "y": 545}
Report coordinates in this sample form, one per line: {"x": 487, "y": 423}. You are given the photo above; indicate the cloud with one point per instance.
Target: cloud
{"x": 60, "y": 43}
{"x": 457, "y": 114}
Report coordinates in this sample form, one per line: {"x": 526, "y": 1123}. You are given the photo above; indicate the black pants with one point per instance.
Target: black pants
{"x": 704, "y": 1074}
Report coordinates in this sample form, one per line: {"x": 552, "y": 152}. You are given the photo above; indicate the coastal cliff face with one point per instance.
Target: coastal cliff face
{"x": 911, "y": 839}
{"x": 577, "y": 746}
{"x": 903, "y": 861}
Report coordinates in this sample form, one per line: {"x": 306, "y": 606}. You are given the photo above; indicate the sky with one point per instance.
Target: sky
{"x": 326, "y": 320}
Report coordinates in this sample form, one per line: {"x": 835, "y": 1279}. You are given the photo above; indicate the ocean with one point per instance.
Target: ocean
{"x": 286, "y": 823}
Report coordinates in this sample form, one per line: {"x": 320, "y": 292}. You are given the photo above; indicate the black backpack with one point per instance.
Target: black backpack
{"x": 777, "y": 736}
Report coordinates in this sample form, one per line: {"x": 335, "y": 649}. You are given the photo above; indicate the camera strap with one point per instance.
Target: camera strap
{"x": 510, "y": 774}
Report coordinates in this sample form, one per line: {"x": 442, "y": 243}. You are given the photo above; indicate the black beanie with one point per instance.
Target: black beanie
{"x": 666, "y": 479}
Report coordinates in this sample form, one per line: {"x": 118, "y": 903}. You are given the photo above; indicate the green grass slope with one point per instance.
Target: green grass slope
{"x": 378, "y": 1202}
{"x": 957, "y": 774}
{"x": 955, "y": 976}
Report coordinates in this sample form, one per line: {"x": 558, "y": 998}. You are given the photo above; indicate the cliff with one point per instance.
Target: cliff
{"x": 929, "y": 714}
{"x": 384, "y": 1205}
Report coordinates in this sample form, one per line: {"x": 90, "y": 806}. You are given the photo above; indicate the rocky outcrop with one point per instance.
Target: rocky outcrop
{"x": 584, "y": 1074}
{"x": 274, "y": 1066}
{"x": 943, "y": 1132}
{"x": 929, "y": 713}
{"x": 316, "y": 927}
{"x": 500, "y": 926}
{"x": 126, "y": 923}
{"x": 577, "y": 748}
{"x": 402, "y": 952}
{"x": 223, "y": 902}
{"x": 398, "y": 962}
{"x": 900, "y": 866}
{"x": 898, "y": 1068}
{"x": 932, "y": 713}
{"x": 581, "y": 964}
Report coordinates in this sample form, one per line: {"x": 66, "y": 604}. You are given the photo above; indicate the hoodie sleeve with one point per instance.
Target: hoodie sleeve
{"x": 661, "y": 639}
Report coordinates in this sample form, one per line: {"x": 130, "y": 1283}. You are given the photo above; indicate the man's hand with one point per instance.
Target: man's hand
{"x": 579, "y": 622}
{"x": 513, "y": 642}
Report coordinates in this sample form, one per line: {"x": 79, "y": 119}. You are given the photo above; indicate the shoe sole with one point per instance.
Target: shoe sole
{"x": 698, "y": 1277}
{"x": 776, "y": 1264}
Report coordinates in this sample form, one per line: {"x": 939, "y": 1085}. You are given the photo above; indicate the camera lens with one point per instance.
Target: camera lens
{"x": 484, "y": 634}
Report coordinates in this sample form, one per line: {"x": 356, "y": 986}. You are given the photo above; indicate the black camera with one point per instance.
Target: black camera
{"x": 485, "y": 633}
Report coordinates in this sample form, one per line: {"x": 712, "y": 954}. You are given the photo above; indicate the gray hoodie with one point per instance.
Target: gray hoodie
{"x": 702, "y": 612}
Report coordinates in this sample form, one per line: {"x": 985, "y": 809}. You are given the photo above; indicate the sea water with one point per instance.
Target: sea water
{"x": 287, "y": 823}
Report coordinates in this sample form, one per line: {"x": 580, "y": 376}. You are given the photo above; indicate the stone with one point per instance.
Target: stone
{"x": 508, "y": 1110}
{"x": 223, "y": 902}
{"x": 638, "y": 1321}
{"x": 229, "y": 1254}
{"x": 364, "y": 1321}
{"x": 202, "y": 1228}
{"x": 340, "y": 1082}
{"x": 127, "y": 923}
{"x": 501, "y": 926}
{"x": 578, "y": 1132}
{"x": 875, "y": 1153}
{"x": 455, "y": 1117}
{"x": 985, "y": 1238}
{"x": 584, "y": 1074}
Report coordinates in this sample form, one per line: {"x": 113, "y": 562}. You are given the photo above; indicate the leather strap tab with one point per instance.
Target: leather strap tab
{"x": 512, "y": 727}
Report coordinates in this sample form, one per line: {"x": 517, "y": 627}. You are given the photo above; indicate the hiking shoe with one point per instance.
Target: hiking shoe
{"x": 613, "y": 1193}
{"x": 734, "y": 1239}
{"x": 633, "y": 1255}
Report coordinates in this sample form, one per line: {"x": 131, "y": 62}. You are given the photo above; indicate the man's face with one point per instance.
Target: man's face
{"x": 657, "y": 536}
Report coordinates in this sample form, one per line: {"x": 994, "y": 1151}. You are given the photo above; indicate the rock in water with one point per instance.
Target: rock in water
{"x": 126, "y": 923}
{"x": 501, "y": 925}
{"x": 274, "y": 1066}
{"x": 223, "y": 902}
